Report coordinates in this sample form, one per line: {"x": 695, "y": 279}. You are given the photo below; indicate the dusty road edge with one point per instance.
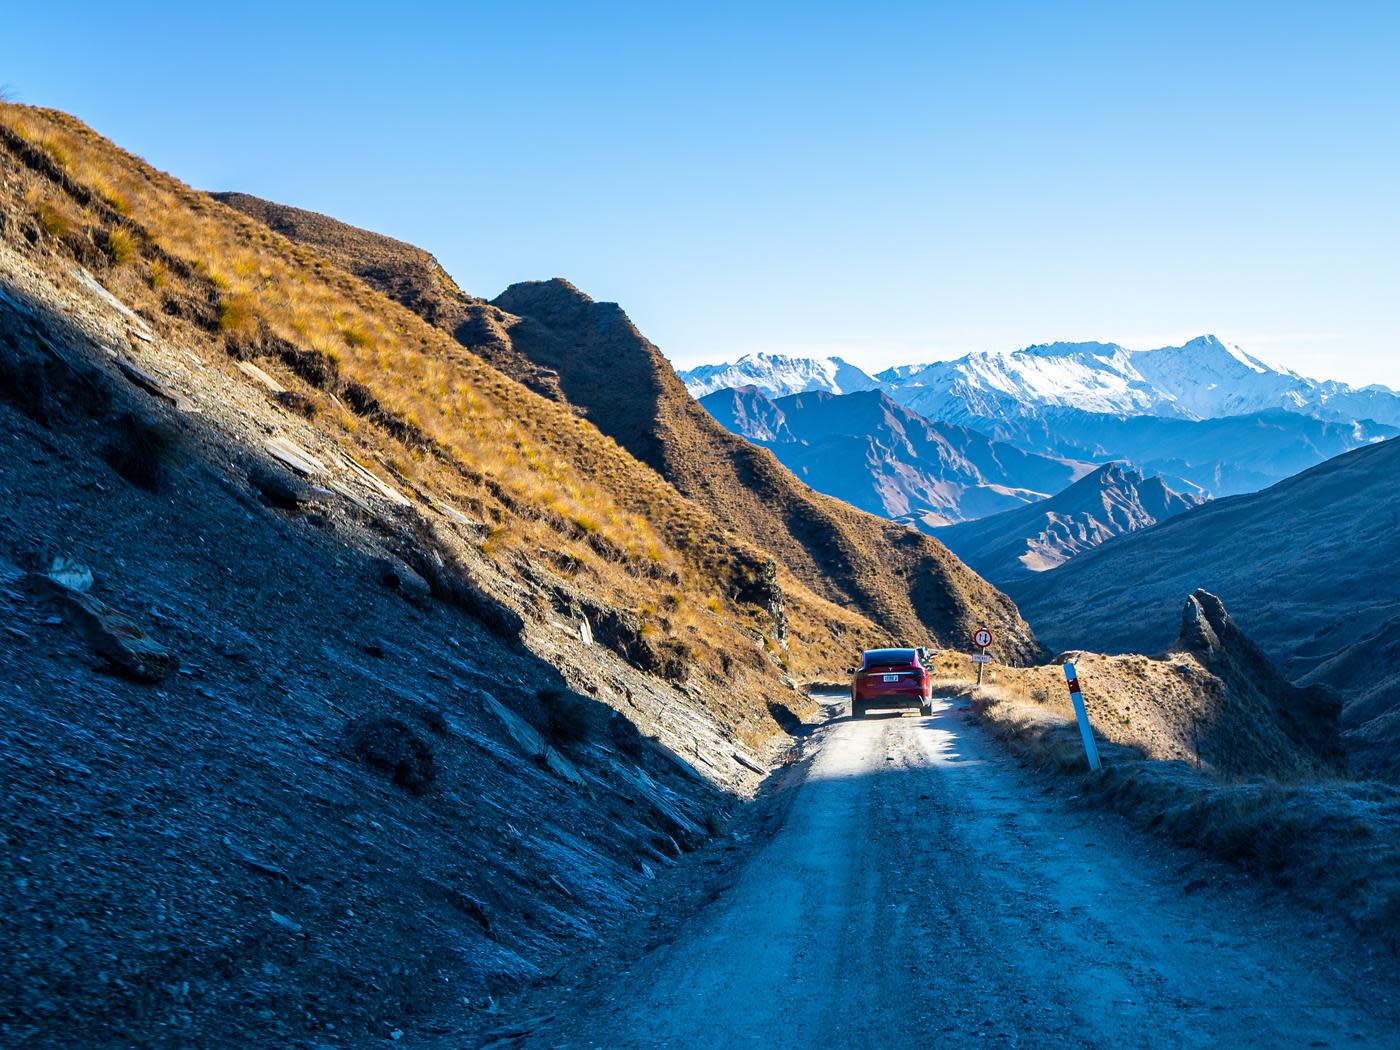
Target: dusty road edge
{"x": 1314, "y": 840}
{"x": 668, "y": 906}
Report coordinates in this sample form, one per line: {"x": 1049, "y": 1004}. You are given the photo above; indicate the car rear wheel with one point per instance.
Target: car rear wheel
{"x": 857, "y": 710}
{"x": 926, "y": 709}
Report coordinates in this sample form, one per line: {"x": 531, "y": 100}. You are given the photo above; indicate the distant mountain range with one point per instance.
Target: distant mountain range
{"x": 1205, "y": 415}
{"x": 1201, "y": 379}
{"x": 1109, "y": 502}
{"x": 869, "y": 450}
{"x": 1307, "y": 566}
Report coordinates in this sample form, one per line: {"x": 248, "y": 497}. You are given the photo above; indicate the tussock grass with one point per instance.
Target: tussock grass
{"x": 1334, "y": 842}
{"x": 404, "y": 395}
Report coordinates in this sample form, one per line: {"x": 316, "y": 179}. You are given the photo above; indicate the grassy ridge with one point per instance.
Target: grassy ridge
{"x": 549, "y": 488}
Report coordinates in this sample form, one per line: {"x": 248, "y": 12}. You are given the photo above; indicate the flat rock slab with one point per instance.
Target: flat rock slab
{"x": 147, "y": 382}
{"x": 293, "y": 455}
{"x": 386, "y": 490}
{"x": 530, "y": 741}
{"x": 260, "y": 377}
{"x": 116, "y": 637}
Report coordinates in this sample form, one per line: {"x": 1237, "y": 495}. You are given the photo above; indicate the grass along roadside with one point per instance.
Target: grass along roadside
{"x": 1334, "y": 842}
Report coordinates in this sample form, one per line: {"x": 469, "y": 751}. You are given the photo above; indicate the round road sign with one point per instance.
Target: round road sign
{"x": 981, "y": 637}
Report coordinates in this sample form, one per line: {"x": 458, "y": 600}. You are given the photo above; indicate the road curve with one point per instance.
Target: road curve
{"x": 925, "y": 890}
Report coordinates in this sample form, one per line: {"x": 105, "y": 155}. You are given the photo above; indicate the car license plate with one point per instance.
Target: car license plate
{"x": 892, "y": 678}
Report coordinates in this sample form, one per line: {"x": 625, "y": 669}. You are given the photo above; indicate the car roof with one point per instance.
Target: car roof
{"x": 877, "y": 655}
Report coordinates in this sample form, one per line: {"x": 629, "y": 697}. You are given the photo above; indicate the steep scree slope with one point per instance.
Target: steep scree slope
{"x": 390, "y": 771}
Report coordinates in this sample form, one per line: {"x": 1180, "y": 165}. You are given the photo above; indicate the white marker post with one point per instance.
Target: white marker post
{"x": 1091, "y": 749}
{"x": 981, "y": 638}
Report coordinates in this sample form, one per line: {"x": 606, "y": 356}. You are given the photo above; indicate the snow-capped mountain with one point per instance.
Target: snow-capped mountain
{"x": 1202, "y": 379}
{"x": 1207, "y": 416}
{"x": 778, "y": 375}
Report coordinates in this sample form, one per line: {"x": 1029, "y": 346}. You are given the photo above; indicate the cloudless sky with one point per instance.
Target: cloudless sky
{"x": 888, "y": 182}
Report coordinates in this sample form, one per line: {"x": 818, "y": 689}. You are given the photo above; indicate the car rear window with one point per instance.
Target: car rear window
{"x": 889, "y": 657}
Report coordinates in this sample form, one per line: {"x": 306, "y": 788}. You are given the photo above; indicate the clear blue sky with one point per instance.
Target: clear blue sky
{"x": 887, "y": 182}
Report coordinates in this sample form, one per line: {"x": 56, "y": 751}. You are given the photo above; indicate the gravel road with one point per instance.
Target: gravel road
{"x": 923, "y": 888}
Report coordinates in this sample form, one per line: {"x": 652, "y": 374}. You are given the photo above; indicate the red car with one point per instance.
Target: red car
{"x": 891, "y": 678}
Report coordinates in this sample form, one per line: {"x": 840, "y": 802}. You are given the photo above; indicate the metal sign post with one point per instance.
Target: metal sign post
{"x": 1081, "y": 714}
{"x": 981, "y": 638}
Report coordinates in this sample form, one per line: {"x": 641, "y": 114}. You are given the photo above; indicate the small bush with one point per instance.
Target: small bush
{"x": 121, "y": 247}
{"x": 387, "y": 744}
{"x": 569, "y": 717}
{"x": 139, "y": 449}
{"x": 298, "y": 403}
{"x": 54, "y": 221}
{"x": 356, "y": 337}
{"x": 237, "y": 314}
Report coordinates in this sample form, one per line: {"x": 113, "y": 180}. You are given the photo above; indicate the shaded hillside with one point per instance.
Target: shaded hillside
{"x": 1107, "y": 503}
{"x": 1223, "y": 457}
{"x": 750, "y": 413}
{"x": 303, "y": 727}
{"x": 1307, "y": 568}
{"x": 871, "y": 452}
{"x": 589, "y": 355}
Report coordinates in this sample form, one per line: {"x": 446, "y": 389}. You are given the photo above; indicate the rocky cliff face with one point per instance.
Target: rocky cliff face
{"x": 1261, "y": 713}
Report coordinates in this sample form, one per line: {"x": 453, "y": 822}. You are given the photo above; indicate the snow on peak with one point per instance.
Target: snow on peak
{"x": 1204, "y": 378}
{"x": 778, "y": 375}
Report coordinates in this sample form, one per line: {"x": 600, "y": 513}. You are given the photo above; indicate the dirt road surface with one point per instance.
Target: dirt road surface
{"x": 924, "y": 890}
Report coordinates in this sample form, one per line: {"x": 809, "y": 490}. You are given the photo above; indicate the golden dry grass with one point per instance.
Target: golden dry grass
{"x": 445, "y": 424}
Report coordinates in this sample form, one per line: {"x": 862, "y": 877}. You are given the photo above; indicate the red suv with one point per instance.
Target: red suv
{"x": 891, "y": 678}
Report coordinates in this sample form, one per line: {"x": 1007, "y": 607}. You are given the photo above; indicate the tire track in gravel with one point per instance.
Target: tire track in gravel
{"x": 925, "y": 888}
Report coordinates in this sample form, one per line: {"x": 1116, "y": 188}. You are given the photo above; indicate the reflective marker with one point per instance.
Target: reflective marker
{"x": 1091, "y": 749}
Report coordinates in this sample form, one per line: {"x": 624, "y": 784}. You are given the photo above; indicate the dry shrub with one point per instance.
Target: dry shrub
{"x": 238, "y": 315}
{"x": 570, "y": 718}
{"x": 387, "y": 744}
{"x": 121, "y": 246}
{"x": 139, "y": 449}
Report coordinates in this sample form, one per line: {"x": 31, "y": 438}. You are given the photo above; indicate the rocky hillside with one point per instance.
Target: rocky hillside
{"x": 1303, "y": 566}
{"x": 590, "y": 357}
{"x": 878, "y": 455}
{"x": 1109, "y": 502}
{"x": 323, "y": 637}
{"x": 1211, "y": 699}
{"x": 402, "y": 271}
